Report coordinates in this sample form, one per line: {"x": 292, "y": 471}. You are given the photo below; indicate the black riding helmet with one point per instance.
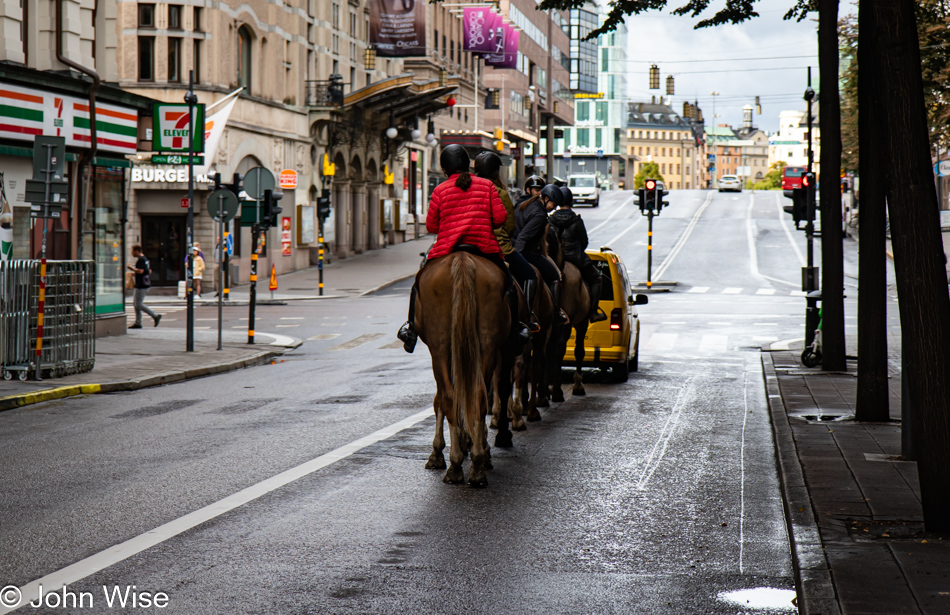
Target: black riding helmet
{"x": 553, "y": 193}
{"x": 534, "y": 182}
{"x": 487, "y": 165}
{"x": 568, "y": 196}
{"x": 454, "y": 159}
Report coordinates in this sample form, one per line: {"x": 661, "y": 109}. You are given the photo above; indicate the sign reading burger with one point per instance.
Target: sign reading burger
{"x": 287, "y": 178}
{"x": 398, "y": 27}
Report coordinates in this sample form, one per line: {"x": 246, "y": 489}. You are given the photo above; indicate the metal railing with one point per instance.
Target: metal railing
{"x": 69, "y": 320}
{"x": 323, "y": 93}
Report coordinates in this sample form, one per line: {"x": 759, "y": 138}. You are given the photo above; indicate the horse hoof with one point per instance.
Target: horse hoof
{"x": 488, "y": 465}
{"x": 533, "y": 416}
{"x": 557, "y": 395}
{"x": 543, "y": 403}
{"x": 454, "y": 476}
{"x": 477, "y": 479}
{"x": 503, "y": 439}
{"x": 519, "y": 426}
{"x": 493, "y": 424}
{"x": 435, "y": 462}
{"x": 578, "y": 391}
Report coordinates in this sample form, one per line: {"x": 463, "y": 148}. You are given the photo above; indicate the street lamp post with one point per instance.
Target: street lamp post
{"x": 192, "y": 100}
{"x": 810, "y": 272}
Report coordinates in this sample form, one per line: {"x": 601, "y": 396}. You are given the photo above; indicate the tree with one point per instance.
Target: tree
{"x": 648, "y": 170}
{"x": 895, "y": 69}
{"x": 772, "y": 179}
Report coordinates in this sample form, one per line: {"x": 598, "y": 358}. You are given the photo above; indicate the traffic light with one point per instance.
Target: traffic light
{"x": 800, "y": 200}
{"x": 499, "y": 139}
{"x": 269, "y": 208}
{"x": 323, "y": 206}
{"x": 642, "y": 199}
{"x": 650, "y": 189}
{"x": 661, "y": 193}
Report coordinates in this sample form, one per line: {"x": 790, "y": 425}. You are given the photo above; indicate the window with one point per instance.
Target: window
{"x": 583, "y": 110}
{"x": 174, "y": 17}
{"x": 641, "y": 151}
{"x": 664, "y": 152}
{"x": 146, "y": 58}
{"x": 146, "y": 15}
{"x": 663, "y": 168}
{"x": 598, "y": 137}
{"x": 436, "y": 43}
{"x": 244, "y": 58}
{"x": 583, "y": 137}
{"x": 196, "y": 57}
{"x": 335, "y": 16}
{"x": 174, "y": 59}
{"x": 197, "y": 20}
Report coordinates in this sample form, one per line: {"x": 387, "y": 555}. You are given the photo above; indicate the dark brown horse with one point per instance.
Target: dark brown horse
{"x": 462, "y": 316}
{"x": 575, "y": 301}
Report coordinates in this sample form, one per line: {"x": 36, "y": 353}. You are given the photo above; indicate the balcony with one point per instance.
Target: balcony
{"x": 327, "y": 94}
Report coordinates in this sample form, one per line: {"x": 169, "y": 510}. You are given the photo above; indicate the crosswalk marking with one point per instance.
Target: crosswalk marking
{"x": 765, "y": 291}
{"x": 713, "y": 343}
{"x": 731, "y": 291}
{"x": 734, "y": 290}
{"x": 323, "y": 336}
{"x": 698, "y": 289}
{"x": 394, "y": 344}
{"x": 662, "y": 341}
{"x": 358, "y": 341}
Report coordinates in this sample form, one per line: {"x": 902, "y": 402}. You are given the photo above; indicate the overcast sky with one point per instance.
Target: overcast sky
{"x": 671, "y": 43}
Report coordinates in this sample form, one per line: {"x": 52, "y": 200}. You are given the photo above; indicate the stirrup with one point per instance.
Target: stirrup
{"x": 533, "y": 325}
{"x": 408, "y": 336}
{"x": 598, "y": 316}
{"x": 562, "y": 317}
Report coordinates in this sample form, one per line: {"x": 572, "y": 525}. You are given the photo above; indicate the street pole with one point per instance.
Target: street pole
{"x": 810, "y": 273}
{"x": 41, "y": 304}
{"x": 221, "y": 253}
{"x": 320, "y": 258}
{"x": 649, "y": 249}
{"x": 255, "y": 231}
{"x": 191, "y": 99}
{"x": 226, "y": 258}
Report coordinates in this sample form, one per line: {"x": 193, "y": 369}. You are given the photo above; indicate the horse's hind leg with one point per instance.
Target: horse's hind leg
{"x": 437, "y": 459}
{"x": 579, "y": 358}
{"x": 516, "y": 405}
{"x": 496, "y": 407}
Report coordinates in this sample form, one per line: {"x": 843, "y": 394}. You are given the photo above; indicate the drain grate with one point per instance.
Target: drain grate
{"x": 824, "y": 418}
{"x": 865, "y": 530}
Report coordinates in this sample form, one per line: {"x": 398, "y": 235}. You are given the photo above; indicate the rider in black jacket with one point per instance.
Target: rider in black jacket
{"x": 571, "y": 231}
{"x": 531, "y": 218}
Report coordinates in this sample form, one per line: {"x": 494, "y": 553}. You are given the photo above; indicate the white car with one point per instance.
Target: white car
{"x": 730, "y": 182}
{"x": 585, "y": 189}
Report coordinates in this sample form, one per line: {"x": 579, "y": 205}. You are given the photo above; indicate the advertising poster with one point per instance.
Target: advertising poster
{"x": 285, "y": 236}
{"x": 505, "y": 48}
{"x": 398, "y": 27}
{"x": 479, "y": 25}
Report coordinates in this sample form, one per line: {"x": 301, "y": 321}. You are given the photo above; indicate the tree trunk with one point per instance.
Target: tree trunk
{"x": 918, "y": 253}
{"x": 832, "y": 255}
{"x": 871, "y": 403}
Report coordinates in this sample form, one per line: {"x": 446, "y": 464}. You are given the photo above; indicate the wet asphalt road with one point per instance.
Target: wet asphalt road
{"x": 653, "y": 496}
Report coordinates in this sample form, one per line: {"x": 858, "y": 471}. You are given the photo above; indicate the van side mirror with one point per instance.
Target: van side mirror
{"x": 639, "y": 300}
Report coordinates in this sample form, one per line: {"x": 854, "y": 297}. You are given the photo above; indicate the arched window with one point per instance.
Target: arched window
{"x": 244, "y": 57}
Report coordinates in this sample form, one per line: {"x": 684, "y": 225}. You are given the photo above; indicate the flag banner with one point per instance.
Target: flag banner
{"x": 505, "y": 51}
{"x": 214, "y": 130}
{"x": 398, "y": 27}
{"x": 479, "y": 25}
{"x": 6, "y": 223}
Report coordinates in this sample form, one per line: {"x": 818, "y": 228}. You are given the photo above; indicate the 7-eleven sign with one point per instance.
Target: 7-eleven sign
{"x": 170, "y": 128}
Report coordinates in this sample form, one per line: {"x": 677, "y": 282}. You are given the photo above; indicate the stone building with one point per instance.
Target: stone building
{"x": 656, "y": 133}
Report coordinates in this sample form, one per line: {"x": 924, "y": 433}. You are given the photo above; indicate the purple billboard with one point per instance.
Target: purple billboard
{"x": 478, "y": 29}
{"x": 398, "y": 27}
{"x": 504, "y": 53}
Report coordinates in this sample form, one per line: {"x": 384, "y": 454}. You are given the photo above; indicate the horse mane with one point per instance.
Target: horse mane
{"x": 557, "y": 255}
{"x": 528, "y": 202}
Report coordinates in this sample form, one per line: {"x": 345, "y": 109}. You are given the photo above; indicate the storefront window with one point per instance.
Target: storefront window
{"x": 104, "y": 243}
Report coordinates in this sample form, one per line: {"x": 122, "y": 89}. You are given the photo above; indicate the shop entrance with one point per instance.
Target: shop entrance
{"x": 163, "y": 241}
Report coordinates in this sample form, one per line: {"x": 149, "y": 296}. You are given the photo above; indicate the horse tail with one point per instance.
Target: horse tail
{"x": 466, "y": 347}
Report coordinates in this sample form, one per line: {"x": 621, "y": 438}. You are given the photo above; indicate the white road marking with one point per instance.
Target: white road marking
{"x": 395, "y": 344}
{"x": 716, "y": 322}
{"x": 120, "y": 552}
{"x": 764, "y": 338}
{"x": 323, "y": 336}
{"x": 731, "y": 291}
{"x": 788, "y": 233}
{"x": 797, "y": 293}
{"x": 698, "y": 289}
{"x": 784, "y": 344}
{"x": 765, "y": 324}
{"x": 662, "y": 341}
{"x": 683, "y": 239}
{"x": 714, "y": 343}
{"x": 659, "y": 447}
{"x": 358, "y": 341}
{"x": 614, "y": 240}
{"x": 332, "y": 324}
{"x": 674, "y": 322}
{"x": 745, "y": 418}
{"x": 765, "y": 291}
{"x": 616, "y": 211}
{"x": 285, "y": 326}
{"x": 291, "y": 317}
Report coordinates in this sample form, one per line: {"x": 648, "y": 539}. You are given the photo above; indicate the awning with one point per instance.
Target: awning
{"x": 402, "y": 96}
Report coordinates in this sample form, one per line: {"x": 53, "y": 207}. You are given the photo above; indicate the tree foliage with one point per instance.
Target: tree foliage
{"x": 648, "y": 170}
{"x": 734, "y": 11}
{"x": 772, "y": 179}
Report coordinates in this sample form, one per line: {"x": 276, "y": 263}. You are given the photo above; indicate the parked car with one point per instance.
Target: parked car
{"x": 613, "y": 343}
{"x": 730, "y": 182}
{"x": 585, "y": 188}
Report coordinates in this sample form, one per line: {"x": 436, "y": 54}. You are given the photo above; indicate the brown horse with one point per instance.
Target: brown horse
{"x": 575, "y": 301}
{"x": 462, "y": 316}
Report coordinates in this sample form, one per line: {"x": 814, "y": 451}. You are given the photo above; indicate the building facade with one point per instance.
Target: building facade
{"x": 656, "y": 133}
{"x": 58, "y": 74}
{"x": 790, "y": 143}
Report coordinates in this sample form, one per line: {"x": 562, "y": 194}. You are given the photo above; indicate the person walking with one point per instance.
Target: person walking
{"x": 199, "y": 269}
{"x": 143, "y": 282}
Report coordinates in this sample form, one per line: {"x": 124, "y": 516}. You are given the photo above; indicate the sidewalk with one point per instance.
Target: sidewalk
{"x": 125, "y": 363}
{"x": 852, "y": 506}
{"x": 348, "y": 277}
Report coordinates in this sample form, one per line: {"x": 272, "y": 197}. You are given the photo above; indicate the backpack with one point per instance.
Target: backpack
{"x": 147, "y": 275}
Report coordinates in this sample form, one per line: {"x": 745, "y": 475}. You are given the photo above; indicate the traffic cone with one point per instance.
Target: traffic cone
{"x": 273, "y": 279}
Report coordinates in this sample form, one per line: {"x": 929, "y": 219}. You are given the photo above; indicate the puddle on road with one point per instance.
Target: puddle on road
{"x": 762, "y": 599}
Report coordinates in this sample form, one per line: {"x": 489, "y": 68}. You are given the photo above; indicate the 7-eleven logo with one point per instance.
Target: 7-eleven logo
{"x": 174, "y": 126}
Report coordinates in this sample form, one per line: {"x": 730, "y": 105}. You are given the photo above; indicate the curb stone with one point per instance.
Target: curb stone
{"x": 36, "y": 397}
{"x": 816, "y": 592}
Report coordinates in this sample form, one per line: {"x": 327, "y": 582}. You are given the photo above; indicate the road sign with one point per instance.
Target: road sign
{"x": 58, "y": 160}
{"x": 171, "y": 125}
{"x": 288, "y": 178}
{"x": 942, "y": 168}
{"x": 600, "y": 153}
{"x": 257, "y": 180}
{"x": 184, "y": 202}
{"x": 229, "y": 244}
{"x": 222, "y": 205}
{"x": 176, "y": 159}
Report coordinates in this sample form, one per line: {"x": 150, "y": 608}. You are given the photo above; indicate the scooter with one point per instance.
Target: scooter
{"x": 811, "y": 356}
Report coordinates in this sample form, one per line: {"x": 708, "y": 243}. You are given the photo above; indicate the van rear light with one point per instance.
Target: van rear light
{"x": 616, "y": 319}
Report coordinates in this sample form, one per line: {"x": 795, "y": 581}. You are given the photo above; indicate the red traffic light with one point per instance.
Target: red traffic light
{"x": 805, "y": 180}
{"x": 651, "y": 184}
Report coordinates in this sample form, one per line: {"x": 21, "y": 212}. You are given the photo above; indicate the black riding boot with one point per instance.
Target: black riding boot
{"x": 530, "y": 291}
{"x": 407, "y": 333}
{"x": 562, "y": 317}
{"x": 596, "y": 315}
{"x": 520, "y": 334}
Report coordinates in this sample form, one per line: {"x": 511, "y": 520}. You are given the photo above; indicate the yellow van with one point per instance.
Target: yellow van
{"x": 613, "y": 343}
